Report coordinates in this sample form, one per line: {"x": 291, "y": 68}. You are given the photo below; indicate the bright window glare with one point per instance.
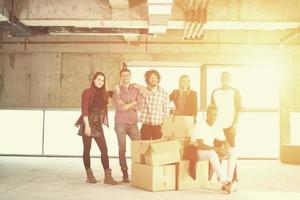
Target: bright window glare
{"x": 258, "y": 135}
{"x": 295, "y": 128}
{"x": 21, "y": 132}
{"x": 61, "y": 135}
{"x": 252, "y": 141}
{"x": 169, "y": 77}
{"x": 259, "y": 86}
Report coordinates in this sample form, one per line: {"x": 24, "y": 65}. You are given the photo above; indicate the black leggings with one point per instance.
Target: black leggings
{"x": 87, "y": 143}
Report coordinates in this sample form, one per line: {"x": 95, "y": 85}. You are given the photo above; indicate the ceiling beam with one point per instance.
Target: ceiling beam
{"x": 233, "y": 10}
{"x": 172, "y": 24}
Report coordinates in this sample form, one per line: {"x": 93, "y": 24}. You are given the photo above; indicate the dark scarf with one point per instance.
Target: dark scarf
{"x": 100, "y": 99}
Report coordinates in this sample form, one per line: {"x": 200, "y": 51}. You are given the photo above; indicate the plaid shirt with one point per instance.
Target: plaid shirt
{"x": 155, "y": 107}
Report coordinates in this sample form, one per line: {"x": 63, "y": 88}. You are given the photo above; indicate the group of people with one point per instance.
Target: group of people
{"x": 149, "y": 105}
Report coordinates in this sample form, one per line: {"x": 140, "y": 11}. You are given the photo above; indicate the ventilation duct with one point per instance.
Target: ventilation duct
{"x": 195, "y": 19}
{"x": 159, "y": 12}
{"x": 11, "y": 24}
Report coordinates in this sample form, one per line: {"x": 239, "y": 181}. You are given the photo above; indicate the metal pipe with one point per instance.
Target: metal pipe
{"x": 201, "y": 30}
{"x": 199, "y": 26}
{"x": 191, "y": 31}
{"x": 188, "y": 18}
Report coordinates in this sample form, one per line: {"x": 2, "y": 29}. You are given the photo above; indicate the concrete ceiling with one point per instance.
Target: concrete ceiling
{"x": 119, "y": 15}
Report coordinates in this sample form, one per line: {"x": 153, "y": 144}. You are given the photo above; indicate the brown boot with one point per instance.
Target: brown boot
{"x": 108, "y": 178}
{"x": 125, "y": 176}
{"x": 90, "y": 178}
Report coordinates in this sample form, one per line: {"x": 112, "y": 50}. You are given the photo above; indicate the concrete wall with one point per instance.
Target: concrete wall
{"x": 51, "y": 80}
{"x": 52, "y": 71}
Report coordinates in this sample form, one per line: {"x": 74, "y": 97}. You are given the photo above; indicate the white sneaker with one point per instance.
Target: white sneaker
{"x": 234, "y": 186}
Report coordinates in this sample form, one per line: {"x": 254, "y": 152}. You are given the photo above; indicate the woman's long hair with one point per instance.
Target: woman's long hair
{"x": 101, "y": 90}
{"x": 180, "y": 85}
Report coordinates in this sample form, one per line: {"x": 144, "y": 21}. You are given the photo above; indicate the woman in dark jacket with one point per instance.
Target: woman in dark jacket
{"x": 93, "y": 114}
{"x": 184, "y": 98}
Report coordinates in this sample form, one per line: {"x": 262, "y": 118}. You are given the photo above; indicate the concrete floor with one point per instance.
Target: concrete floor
{"x": 63, "y": 178}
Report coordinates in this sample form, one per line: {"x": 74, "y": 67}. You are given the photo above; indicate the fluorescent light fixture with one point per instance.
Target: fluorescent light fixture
{"x": 156, "y": 9}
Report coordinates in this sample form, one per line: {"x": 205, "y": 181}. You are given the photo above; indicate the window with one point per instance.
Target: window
{"x": 258, "y": 135}
{"x": 61, "y": 135}
{"x": 259, "y": 87}
{"x": 21, "y": 132}
{"x": 258, "y": 131}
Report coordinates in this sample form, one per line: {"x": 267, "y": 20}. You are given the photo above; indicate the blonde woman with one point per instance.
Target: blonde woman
{"x": 184, "y": 98}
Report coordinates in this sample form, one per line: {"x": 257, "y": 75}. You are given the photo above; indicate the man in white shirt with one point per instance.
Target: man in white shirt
{"x": 228, "y": 101}
{"x": 204, "y": 135}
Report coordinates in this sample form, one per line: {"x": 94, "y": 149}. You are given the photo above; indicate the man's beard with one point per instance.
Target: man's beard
{"x": 153, "y": 84}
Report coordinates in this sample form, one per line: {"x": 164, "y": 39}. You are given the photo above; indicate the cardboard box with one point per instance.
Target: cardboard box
{"x": 161, "y": 153}
{"x": 153, "y": 178}
{"x": 178, "y": 126}
{"x": 156, "y": 153}
{"x": 184, "y": 143}
{"x": 184, "y": 181}
{"x": 136, "y": 146}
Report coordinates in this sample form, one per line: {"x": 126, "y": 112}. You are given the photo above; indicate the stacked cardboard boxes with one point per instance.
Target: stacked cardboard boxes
{"x": 153, "y": 164}
{"x": 160, "y": 165}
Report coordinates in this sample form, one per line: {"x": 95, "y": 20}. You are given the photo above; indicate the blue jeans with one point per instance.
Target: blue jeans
{"x": 122, "y": 130}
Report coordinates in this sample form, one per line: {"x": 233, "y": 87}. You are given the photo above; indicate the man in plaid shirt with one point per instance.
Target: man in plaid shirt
{"x": 155, "y": 107}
